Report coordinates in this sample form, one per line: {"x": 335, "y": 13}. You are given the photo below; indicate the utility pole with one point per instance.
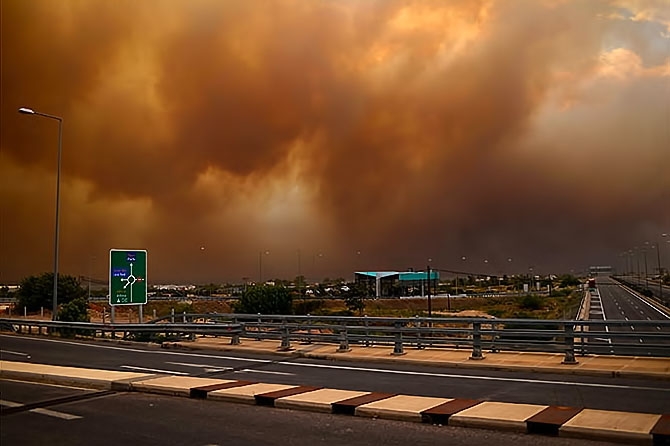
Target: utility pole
{"x": 430, "y": 307}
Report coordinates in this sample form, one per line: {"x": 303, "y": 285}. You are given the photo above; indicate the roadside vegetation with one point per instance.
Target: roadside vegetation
{"x": 501, "y": 299}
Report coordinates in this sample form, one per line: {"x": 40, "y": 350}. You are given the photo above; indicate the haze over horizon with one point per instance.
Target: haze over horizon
{"x": 340, "y": 136}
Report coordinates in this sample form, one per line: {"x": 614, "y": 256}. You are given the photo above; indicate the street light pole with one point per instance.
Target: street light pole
{"x": 29, "y": 111}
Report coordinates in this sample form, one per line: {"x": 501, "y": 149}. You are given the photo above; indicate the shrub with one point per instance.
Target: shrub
{"x": 265, "y": 299}
{"x": 532, "y": 302}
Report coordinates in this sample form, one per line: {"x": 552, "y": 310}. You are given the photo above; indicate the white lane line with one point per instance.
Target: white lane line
{"x": 27, "y": 355}
{"x": 645, "y": 302}
{"x": 201, "y": 366}
{"x": 625, "y": 317}
{"x": 144, "y": 369}
{"x": 51, "y": 413}
{"x": 475, "y": 377}
{"x": 268, "y": 372}
{"x": 162, "y": 352}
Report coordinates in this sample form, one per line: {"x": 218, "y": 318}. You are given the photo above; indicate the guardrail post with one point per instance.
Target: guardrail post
{"x": 344, "y": 341}
{"x": 184, "y": 317}
{"x": 309, "y": 328}
{"x": 476, "y": 341}
{"x": 418, "y": 333}
{"x": 154, "y": 313}
{"x": 569, "y": 345}
{"x": 367, "y": 332}
{"x": 258, "y": 328}
{"x": 235, "y": 339}
{"x": 25, "y": 312}
{"x": 494, "y": 336}
{"x": 41, "y": 311}
{"x": 397, "y": 348}
{"x": 286, "y": 337}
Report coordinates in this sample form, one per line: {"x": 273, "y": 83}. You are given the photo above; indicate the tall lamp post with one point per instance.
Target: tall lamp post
{"x": 260, "y": 265}
{"x": 30, "y": 111}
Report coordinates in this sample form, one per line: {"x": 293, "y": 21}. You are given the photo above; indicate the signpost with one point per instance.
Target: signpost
{"x": 128, "y": 277}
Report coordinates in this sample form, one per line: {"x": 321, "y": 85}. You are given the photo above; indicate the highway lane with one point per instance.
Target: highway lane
{"x": 614, "y": 302}
{"x": 144, "y": 419}
{"x": 520, "y": 387}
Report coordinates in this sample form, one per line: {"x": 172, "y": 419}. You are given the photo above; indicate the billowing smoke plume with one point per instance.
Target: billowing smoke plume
{"x": 240, "y": 138}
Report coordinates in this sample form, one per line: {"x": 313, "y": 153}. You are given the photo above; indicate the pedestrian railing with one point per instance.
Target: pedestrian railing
{"x": 478, "y": 335}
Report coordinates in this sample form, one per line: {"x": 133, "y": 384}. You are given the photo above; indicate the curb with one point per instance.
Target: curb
{"x": 625, "y": 427}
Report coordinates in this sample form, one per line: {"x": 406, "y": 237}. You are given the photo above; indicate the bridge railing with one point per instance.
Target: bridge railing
{"x": 478, "y": 335}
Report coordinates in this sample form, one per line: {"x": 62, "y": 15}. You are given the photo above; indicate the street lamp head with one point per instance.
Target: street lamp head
{"x": 27, "y": 111}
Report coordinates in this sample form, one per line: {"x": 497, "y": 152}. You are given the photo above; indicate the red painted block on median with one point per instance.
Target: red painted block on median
{"x": 348, "y": 407}
{"x": 550, "y": 420}
{"x": 268, "y": 399}
{"x": 440, "y": 414}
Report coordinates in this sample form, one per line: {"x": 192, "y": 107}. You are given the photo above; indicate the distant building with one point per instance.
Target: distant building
{"x": 600, "y": 270}
{"x": 396, "y": 283}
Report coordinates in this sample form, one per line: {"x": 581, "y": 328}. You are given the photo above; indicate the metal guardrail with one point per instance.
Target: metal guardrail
{"x": 569, "y": 337}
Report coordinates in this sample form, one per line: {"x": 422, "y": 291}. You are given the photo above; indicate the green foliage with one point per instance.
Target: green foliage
{"x": 568, "y": 280}
{"x": 354, "y": 299}
{"x": 37, "y": 291}
{"x": 74, "y": 311}
{"x": 265, "y": 299}
{"x": 532, "y": 302}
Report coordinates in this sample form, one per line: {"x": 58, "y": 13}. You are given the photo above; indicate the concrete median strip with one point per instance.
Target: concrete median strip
{"x": 633, "y": 428}
{"x": 626, "y": 427}
{"x": 246, "y": 394}
{"x": 91, "y": 378}
{"x": 400, "y": 407}
{"x": 175, "y": 385}
{"x": 318, "y": 400}
{"x": 505, "y": 416}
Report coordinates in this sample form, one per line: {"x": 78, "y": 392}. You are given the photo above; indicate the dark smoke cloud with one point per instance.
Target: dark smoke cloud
{"x": 335, "y": 135}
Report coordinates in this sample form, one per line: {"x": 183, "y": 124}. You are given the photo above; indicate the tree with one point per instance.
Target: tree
{"x": 265, "y": 299}
{"x": 74, "y": 311}
{"x": 567, "y": 280}
{"x": 37, "y": 291}
{"x": 354, "y": 299}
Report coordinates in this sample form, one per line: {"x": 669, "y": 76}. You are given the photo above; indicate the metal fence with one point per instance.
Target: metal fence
{"x": 478, "y": 335}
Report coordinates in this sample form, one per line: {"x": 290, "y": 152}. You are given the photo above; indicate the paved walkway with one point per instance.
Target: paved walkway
{"x": 623, "y": 366}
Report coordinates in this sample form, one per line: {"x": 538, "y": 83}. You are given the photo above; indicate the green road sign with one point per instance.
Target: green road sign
{"x": 127, "y": 277}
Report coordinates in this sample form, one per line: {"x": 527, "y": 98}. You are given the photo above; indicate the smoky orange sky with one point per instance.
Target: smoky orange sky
{"x": 324, "y": 137}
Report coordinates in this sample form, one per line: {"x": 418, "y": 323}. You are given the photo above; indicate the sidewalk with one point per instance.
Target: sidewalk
{"x": 616, "y": 366}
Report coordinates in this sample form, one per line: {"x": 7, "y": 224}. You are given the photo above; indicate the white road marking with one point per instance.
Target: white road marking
{"x": 476, "y": 377}
{"x": 144, "y": 369}
{"x": 15, "y": 353}
{"x": 269, "y": 372}
{"x": 202, "y": 366}
{"x": 647, "y": 303}
{"x": 51, "y": 413}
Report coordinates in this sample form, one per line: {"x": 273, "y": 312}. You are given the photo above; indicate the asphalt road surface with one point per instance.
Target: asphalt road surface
{"x": 606, "y": 393}
{"x": 616, "y": 304}
{"x": 142, "y": 419}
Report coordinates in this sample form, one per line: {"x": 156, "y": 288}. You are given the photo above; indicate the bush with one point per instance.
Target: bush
{"x": 37, "y": 291}
{"x": 265, "y": 299}
{"x": 74, "y": 311}
{"x": 532, "y": 302}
